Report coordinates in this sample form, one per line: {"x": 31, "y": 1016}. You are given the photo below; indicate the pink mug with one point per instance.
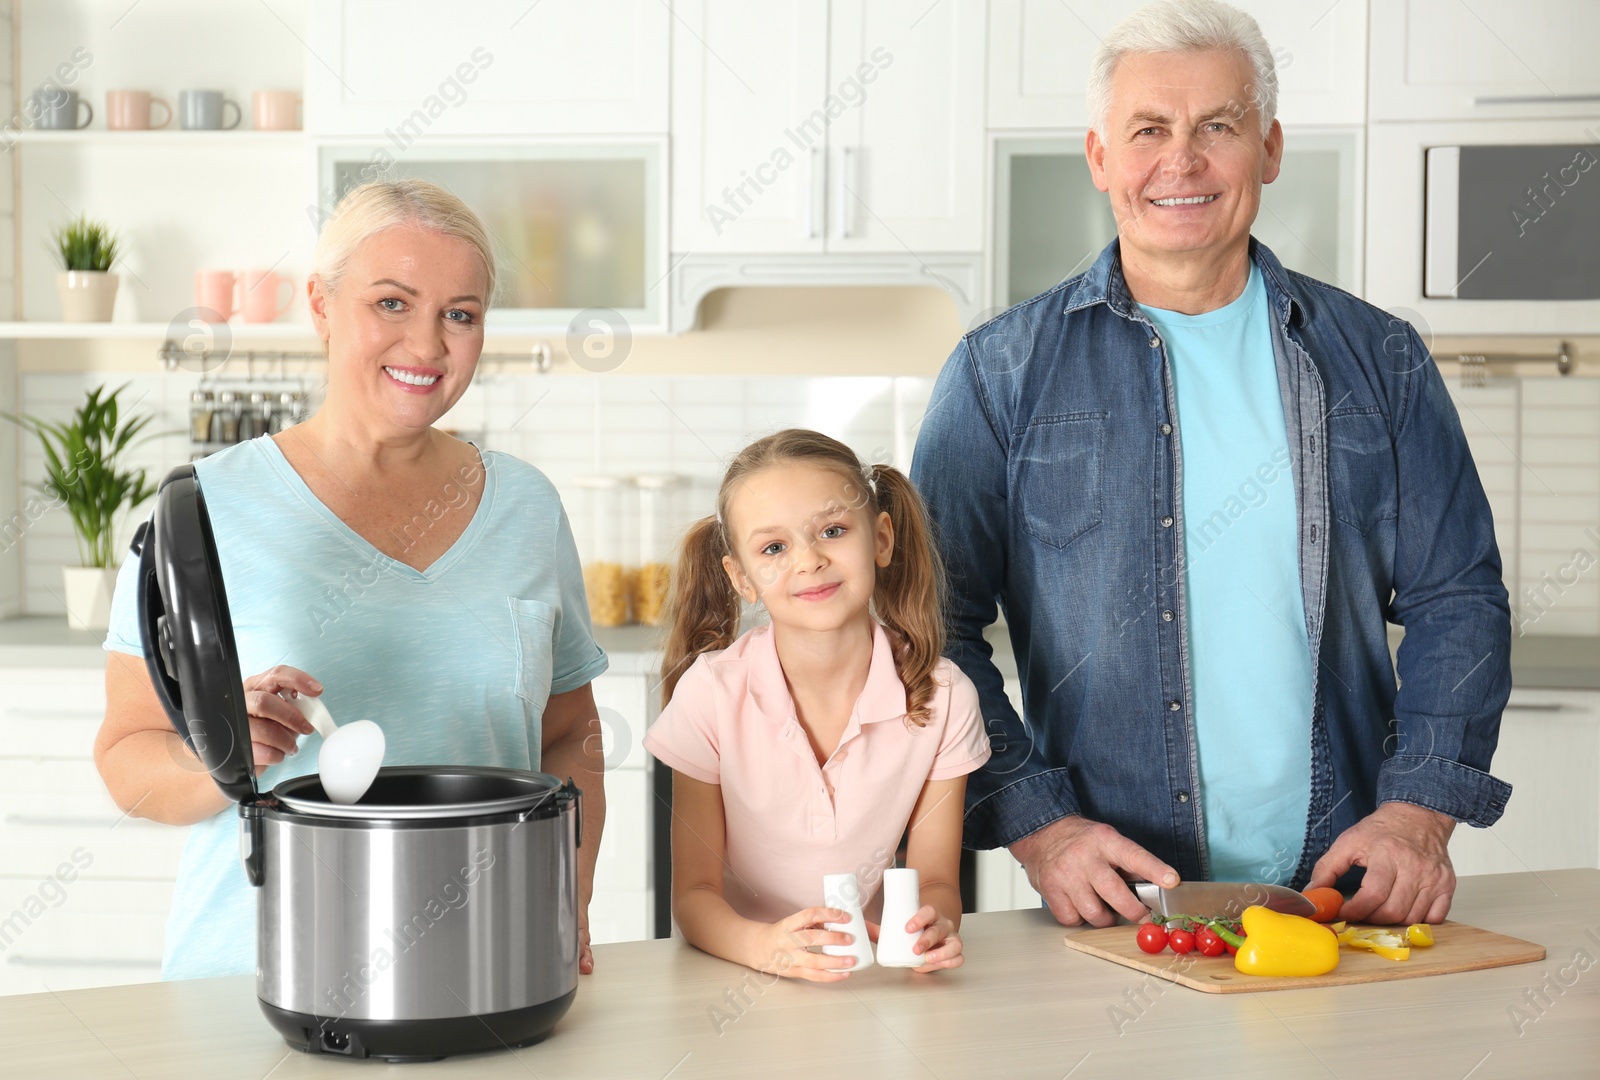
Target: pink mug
{"x": 215, "y": 294}
{"x": 275, "y": 110}
{"x": 129, "y": 110}
{"x": 261, "y": 291}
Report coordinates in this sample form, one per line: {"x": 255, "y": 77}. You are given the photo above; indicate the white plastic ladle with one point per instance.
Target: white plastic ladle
{"x": 350, "y": 755}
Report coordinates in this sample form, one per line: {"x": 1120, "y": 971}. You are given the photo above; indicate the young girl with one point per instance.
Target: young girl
{"x": 808, "y": 746}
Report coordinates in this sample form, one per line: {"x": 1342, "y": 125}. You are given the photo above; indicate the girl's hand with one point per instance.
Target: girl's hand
{"x": 784, "y": 947}
{"x": 275, "y": 722}
{"x": 939, "y": 945}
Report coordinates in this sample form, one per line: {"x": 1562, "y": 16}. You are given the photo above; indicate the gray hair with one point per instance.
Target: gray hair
{"x": 1184, "y": 26}
{"x": 384, "y": 204}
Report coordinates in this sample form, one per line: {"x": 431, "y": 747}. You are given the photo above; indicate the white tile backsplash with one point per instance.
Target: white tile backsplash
{"x": 1536, "y": 443}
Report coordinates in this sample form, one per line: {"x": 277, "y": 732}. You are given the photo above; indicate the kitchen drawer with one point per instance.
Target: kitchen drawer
{"x": 624, "y": 716}
{"x": 51, "y": 807}
{"x": 62, "y": 934}
{"x": 623, "y": 865}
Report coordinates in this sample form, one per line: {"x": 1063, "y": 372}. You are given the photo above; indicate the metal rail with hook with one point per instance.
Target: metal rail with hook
{"x": 173, "y": 356}
{"x": 1475, "y": 366}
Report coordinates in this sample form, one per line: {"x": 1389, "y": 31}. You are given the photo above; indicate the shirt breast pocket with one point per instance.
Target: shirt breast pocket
{"x": 534, "y": 625}
{"x": 1057, "y": 467}
{"x": 1362, "y": 468}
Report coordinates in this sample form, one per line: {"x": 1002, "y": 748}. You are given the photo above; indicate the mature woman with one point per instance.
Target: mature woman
{"x": 404, "y": 575}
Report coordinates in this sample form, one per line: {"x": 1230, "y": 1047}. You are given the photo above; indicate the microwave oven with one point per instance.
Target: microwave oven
{"x": 1512, "y": 221}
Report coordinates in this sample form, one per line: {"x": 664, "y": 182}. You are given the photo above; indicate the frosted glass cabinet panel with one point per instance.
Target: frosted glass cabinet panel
{"x": 1051, "y": 222}
{"x": 573, "y": 228}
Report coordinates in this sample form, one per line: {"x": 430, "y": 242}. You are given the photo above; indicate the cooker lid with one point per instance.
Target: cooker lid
{"x": 188, "y": 634}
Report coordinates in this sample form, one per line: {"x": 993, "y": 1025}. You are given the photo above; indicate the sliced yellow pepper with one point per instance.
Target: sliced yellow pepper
{"x": 1284, "y": 945}
{"x": 1386, "y": 943}
{"x": 1338, "y": 927}
{"x": 1420, "y": 934}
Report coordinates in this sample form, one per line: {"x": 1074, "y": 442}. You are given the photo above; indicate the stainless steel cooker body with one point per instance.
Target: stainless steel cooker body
{"x": 440, "y": 918}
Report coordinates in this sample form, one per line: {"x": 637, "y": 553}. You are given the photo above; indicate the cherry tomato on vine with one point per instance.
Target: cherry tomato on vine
{"x": 1152, "y": 937}
{"x": 1182, "y": 941}
{"x": 1209, "y": 944}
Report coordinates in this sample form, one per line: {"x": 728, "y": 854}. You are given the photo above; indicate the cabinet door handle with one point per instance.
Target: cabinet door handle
{"x": 811, "y": 192}
{"x": 1530, "y": 706}
{"x": 1535, "y": 99}
{"x": 845, "y": 155}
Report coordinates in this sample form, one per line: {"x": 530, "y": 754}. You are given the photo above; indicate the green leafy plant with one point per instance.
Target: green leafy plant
{"x": 83, "y": 459}
{"x": 82, "y": 244}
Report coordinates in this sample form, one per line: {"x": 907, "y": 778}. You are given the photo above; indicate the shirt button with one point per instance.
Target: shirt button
{"x": 1155, "y": 342}
{"x": 1166, "y": 429}
{"x": 1166, "y": 522}
{"x": 1183, "y": 796}
{"x": 1174, "y": 706}
{"x": 1166, "y": 616}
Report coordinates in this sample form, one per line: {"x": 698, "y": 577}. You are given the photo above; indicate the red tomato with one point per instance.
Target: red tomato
{"x": 1209, "y": 943}
{"x": 1152, "y": 937}
{"x": 1328, "y": 902}
{"x": 1181, "y": 941}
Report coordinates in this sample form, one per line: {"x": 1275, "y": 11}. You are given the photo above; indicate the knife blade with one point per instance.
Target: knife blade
{"x": 1222, "y": 899}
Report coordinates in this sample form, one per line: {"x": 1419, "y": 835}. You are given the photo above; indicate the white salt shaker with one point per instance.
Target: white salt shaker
{"x": 842, "y": 891}
{"x": 902, "y": 897}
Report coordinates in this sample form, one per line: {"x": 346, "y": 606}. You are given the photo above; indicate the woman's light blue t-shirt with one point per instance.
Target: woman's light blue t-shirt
{"x": 454, "y": 662}
{"x": 1250, "y": 658}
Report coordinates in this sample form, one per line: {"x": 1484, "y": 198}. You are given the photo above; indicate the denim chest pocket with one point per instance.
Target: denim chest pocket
{"x": 1057, "y": 467}
{"x": 1362, "y": 468}
{"x": 534, "y": 625}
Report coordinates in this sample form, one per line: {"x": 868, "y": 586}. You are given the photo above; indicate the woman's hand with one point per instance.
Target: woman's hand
{"x": 939, "y": 945}
{"x": 784, "y": 947}
{"x": 275, "y": 721}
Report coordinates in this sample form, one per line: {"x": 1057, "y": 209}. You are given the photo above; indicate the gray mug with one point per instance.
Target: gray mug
{"x": 56, "y": 109}
{"x": 203, "y": 110}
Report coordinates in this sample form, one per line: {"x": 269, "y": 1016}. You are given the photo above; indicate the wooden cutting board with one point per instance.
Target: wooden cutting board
{"x": 1457, "y": 947}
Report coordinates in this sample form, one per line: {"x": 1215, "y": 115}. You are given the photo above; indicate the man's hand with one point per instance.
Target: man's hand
{"x": 1406, "y": 850}
{"x": 1074, "y": 862}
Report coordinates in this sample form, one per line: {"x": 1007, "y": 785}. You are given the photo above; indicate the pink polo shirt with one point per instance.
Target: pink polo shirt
{"x": 732, "y": 722}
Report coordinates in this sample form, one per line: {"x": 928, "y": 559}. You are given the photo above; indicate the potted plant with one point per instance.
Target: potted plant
{"x": 87, "y": 249}
{"x": 85, "y": 474}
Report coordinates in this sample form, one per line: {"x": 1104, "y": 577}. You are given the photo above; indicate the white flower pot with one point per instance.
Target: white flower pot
{"x": 88, "y": 590}
{"x": 86, "y": 295}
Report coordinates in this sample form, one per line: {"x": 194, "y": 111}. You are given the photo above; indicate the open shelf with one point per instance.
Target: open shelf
{"x": 165, "y": 138}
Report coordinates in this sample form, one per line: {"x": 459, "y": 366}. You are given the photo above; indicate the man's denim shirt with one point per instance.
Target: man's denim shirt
{"x": 1049, "y": 458}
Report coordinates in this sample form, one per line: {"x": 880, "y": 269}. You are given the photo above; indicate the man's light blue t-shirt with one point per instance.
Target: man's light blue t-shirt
{"x": 1250, "y": 658}
{"x": 455, "y": 663}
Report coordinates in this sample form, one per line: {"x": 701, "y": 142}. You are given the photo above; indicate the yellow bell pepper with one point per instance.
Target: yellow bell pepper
{"x": 1276, "y": 944}
{"x": 1420, "y": 934}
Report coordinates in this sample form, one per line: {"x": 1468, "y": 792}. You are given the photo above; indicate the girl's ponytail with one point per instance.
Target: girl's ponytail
{"x": 702, "y": 608}
{"x": 910, "y": 592}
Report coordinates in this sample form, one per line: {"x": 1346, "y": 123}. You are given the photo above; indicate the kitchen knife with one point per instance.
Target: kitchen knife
{"x": 1221, "y": 899}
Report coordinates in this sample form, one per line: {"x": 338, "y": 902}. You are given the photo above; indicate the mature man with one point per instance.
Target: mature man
{"x": 1200, "y": 486}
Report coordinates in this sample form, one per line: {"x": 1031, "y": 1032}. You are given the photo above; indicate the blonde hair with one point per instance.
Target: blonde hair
{"x": 1184, "y": 26}
{"x": 384, "y": 204}
{"x": 908, "y": 596}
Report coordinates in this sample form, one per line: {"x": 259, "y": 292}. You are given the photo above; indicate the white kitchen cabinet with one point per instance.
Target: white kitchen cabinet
{"x": 408, "y": 68}
{"x": 1488, "y": 60}
{"x": 622, "y": 906}
{"x": 1040, "y": 52}
{"x": 1002, "y": 882}
{"x": 84, "y": 889}
{"x": 1549, "y": 753}
{"x": 745, "y": 77}
{"x": 854, "y": 126}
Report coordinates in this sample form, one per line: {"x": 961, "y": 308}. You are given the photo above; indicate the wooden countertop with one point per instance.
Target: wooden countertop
{"x": 1023, "y": 1006}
